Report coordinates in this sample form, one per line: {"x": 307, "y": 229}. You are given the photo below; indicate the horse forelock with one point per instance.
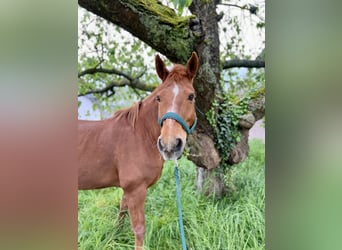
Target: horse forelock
{"x": 178, "y": 73}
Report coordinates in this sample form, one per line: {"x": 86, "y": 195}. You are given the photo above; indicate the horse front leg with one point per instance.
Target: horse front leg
{"x": 136, "y": 205}
{"x": 123, "y": 209}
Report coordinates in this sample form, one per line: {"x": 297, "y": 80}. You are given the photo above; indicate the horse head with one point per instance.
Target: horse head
{"x": 176, "y": 106}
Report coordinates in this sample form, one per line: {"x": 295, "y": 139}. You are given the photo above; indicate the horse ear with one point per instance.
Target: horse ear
{"x": 161, "y": 68}
{"x": 192, "y": 65}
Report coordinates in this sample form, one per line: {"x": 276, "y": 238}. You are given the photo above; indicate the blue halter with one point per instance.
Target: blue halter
{"x": 176, "y": 117}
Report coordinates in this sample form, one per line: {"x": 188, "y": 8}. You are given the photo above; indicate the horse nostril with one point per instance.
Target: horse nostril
{"x": 179, "y": 144}
{"x": 160, "y": 146}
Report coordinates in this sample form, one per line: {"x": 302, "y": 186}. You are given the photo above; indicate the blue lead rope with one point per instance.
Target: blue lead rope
{"x": 180, "y": 209}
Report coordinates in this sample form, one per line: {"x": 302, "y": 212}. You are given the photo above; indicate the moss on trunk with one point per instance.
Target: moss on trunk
{"x": 155, "y": 24}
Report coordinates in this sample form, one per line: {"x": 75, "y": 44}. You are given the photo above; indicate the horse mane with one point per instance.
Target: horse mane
{"x": 131, "y": 114}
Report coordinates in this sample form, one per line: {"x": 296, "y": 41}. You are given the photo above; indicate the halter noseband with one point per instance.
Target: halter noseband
{"x": 176, "y": 117}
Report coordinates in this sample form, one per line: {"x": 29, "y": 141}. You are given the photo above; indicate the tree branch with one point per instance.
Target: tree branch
{"x": 240, "y": 63}
{"x": 130, "y": 81}
{"x": 150, "y": 22}
{"x": 249, "y": 7}
{"x": 92, "y": 71}
{"x": 109, "y": 89}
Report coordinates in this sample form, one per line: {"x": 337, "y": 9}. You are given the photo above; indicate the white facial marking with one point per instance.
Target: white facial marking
{"x": 175, "y": 92}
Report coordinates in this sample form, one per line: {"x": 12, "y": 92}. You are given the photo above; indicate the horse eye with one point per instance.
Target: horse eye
{"x": 158, "y": 98}
{"x": 191, "y": 97}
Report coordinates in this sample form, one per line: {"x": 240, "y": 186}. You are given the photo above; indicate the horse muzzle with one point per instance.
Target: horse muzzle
{"x": 172, "y": 140}
{"x": 171, "y": 149}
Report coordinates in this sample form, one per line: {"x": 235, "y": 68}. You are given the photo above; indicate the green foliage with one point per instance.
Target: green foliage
{"x": 237, "y": 82}
{"x": 235, "y": 222}
{"x": 224, "y": 116}
{"x": 238, "y": 29}
{"x": 238, "y": 86}
{"x": 97, "y": 48}
{"x": 164, "y": 12}
{"x": 181, "y": 4}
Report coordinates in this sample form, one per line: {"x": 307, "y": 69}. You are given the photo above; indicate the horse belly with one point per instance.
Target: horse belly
{"x": 97, "y": 168}
{"x": 92, "y": 175}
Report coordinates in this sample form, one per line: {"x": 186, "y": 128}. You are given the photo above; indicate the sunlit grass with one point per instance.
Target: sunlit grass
{"x": 235, "y": 222}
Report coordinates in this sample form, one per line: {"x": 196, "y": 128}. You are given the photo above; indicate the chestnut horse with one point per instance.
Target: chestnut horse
{"x": 128, "y": 150}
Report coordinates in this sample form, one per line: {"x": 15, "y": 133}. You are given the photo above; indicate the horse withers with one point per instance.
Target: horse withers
{"x": 128, "y": 149}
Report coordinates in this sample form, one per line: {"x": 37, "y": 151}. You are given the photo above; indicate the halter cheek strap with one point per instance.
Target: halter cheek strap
{"x": 176, "y": 117}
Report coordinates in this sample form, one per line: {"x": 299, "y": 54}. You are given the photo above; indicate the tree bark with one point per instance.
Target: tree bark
{"x": 202, "y": 146}
{"x": 208, "y": 77}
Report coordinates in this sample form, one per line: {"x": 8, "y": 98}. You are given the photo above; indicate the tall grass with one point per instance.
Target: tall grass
{"x": 234, "y": 222}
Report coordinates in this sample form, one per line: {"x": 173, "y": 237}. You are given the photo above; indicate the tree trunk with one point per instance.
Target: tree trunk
{"x": 202, "y": 146}
{"x": 208, "y": 77}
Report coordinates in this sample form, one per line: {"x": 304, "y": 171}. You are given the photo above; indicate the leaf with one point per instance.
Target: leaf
{"x": 180, "y": 5}
{"x": 94, "y": 107}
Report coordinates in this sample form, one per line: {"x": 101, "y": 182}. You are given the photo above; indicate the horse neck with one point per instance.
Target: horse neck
{"x": 148, "y": 119}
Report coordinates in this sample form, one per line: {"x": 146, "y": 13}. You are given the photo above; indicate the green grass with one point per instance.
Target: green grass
{"x": 234, "y": 222}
